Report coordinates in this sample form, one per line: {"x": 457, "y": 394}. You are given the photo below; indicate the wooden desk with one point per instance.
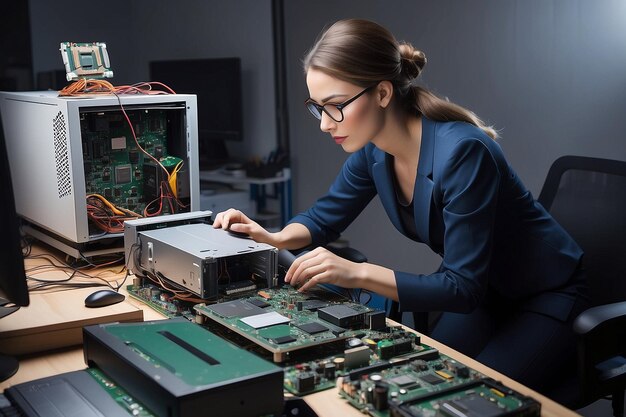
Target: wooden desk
{"x": 325, "y": 403}
{"x": 39, "y": 365}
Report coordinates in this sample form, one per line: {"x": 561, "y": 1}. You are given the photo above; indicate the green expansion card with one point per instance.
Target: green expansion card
{"x": 283, "y": 320}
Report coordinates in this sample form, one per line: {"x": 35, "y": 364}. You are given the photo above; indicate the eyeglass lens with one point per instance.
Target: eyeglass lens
{"x": 330, "y": 109}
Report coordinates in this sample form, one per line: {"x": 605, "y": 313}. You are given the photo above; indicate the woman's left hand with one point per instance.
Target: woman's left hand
{"x": 320, "y": 266}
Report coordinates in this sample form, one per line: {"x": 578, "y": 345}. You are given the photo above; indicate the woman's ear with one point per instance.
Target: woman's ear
{"x": 384, "y": 93}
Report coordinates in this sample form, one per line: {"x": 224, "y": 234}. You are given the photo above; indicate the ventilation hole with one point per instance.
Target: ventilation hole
{"x": 61, "y": 158}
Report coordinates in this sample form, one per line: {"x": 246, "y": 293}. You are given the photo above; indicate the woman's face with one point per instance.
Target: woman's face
{"x": 361, "y": 118}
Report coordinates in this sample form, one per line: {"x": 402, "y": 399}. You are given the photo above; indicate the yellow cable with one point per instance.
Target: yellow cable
{"x": 115, "y": 209}
{"x": 172, "y": 178}
{"x": 108, "y": 204}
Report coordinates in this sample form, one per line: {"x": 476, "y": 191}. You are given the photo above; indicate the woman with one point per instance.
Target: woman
{"x": 510, "y": 281}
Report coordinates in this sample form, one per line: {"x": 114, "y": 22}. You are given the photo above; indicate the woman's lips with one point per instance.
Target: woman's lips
{"x": 339, "y": 139}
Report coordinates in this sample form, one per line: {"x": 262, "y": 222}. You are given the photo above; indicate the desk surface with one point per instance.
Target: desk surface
{"x": 325, "y": 403}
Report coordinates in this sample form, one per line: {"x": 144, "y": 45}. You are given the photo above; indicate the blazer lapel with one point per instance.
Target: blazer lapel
{"x": 422, "y": 194}
{"x": 384, "y": 186}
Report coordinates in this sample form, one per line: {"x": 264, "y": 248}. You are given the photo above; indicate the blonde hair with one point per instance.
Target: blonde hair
{"x": 363, "y": 53}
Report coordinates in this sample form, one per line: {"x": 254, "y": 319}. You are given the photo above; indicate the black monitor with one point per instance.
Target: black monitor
{"x": 217, "y": 84}
{"x": 13, "y": 288}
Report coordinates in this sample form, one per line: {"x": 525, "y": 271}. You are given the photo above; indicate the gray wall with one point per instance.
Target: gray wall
{"x": 549, "y": 75}
{"x": 140, "y": 31}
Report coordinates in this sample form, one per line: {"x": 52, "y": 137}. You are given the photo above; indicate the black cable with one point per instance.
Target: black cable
{"x": 53, "y": 280}
{"x": 72, "y": 272}
{"x": 26, "y": 244}
{"x": 115, "y": 259}
{"x": 134, "y": 253}
{"x": 117, "y": 288}
{"x": 66, "y": 285}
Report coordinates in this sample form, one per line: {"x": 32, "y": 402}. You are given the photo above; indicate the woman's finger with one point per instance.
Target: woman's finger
{"x": 297, "y": 262}
{"x": 307, "y": 272}
{"x": 317, "y": 279}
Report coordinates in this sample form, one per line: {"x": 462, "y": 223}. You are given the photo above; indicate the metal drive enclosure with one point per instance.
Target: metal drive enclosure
{"x": 46, "y": 155}
{"x": 203, "y": 259}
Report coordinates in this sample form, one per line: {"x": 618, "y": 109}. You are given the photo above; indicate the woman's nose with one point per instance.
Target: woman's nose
{"x": 326, "y": 123}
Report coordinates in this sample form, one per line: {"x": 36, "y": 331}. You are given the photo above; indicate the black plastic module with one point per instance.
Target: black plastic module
{"x": 180, "y": 369}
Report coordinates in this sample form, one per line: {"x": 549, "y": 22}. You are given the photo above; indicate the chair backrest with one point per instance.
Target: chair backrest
{"x": 587, "y": 196}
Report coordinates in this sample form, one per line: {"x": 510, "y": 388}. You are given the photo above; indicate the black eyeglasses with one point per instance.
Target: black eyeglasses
{"x": 334, "y": 111}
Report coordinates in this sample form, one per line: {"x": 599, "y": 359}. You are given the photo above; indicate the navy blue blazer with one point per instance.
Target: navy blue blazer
{"x": 472, "y": 209}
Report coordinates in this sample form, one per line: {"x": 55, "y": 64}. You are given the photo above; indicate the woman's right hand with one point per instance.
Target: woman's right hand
{"x": 236, "y": 221}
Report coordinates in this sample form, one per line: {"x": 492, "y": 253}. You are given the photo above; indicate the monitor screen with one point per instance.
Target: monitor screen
{"x": 217, "y": 84}
{"x": 13, "y": 288}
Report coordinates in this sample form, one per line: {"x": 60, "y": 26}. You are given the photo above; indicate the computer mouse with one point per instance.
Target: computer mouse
{"x": 103, "y": 298}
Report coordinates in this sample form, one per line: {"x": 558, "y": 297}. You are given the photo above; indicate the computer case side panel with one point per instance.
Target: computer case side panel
{"x": 41, "y": 161}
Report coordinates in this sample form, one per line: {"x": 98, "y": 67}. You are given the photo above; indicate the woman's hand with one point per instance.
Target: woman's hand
{"x": 236, "y": 221}
{"x": 320, "y": 266}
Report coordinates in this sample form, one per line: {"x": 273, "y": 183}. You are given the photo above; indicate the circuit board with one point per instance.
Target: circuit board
{"x": 434, "y": 388}
{"x": 86, "y": 60}
{"x": 382, "y": 345}
{"x": 125, "y": 400}
{"x": 283, "y": 320}
{"x": 383, "y": 372}
{"x": 162, "y": 301}
{"x": 373, "y": 350}
{"x": 114, "y": 165}
{"x": 166, "y": 303}
{"x": 482, "y": 398}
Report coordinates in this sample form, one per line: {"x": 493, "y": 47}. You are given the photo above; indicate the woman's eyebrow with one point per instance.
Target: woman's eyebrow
{"x": 330, "y": 97}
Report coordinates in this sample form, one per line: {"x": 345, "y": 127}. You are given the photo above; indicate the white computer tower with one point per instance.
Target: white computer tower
{"x": 63, "y": 148}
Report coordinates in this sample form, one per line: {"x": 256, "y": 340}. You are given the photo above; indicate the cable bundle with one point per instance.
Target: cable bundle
{"x": 88, "y": 86}
{"x": 104, "y": 214}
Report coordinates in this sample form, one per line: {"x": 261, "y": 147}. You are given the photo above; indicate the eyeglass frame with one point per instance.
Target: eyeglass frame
{"x": 340, "y": 106}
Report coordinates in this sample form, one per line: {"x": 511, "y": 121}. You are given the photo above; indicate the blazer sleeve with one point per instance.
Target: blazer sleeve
{"x": 349, "y": 194}
{"x": 469, "y": 185}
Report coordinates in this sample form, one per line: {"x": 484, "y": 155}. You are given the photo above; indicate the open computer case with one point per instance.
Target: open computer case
{"x": 62, "y": 149}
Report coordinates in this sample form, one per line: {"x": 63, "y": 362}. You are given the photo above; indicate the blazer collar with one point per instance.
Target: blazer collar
{"x": 381, "y": 171}
{"x": 427, "y": 148}
{"x": 422, "y": 194}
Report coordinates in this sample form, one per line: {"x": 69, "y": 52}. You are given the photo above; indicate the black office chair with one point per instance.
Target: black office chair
{"x": 587, "y": 196}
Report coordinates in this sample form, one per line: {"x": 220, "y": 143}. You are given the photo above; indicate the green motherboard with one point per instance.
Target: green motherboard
{"x": 115, "y": 167}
